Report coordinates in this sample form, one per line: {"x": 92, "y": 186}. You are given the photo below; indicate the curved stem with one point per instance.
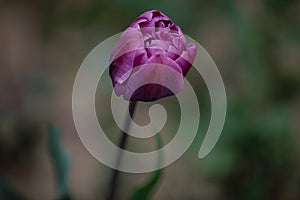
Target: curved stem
{"x": 122, "y": 145}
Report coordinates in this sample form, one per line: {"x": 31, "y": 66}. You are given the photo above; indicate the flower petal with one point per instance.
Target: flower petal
{"x": 159, "y": 70}
{"x": 187, "y": 58}
{"x": 120, "y": 69}
{"x": 130, "y": 40}
{"x": 149, "y": 19}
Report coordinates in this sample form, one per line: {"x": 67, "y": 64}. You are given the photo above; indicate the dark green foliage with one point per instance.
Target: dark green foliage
{"x": 8, "y": 193}
{"x": 60, "y": 161}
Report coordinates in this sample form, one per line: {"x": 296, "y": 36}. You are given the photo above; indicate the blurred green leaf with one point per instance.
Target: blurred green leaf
{"x": 8, "y": 193}
{"x": 144, "y": 192}
{"x": 60, "y": 161}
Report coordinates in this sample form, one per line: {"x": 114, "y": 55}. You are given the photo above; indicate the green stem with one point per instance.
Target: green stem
{"x": 122, "y": 145}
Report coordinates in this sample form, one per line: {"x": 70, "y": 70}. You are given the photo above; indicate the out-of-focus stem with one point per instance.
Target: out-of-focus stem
{"x": 122, "y": 145}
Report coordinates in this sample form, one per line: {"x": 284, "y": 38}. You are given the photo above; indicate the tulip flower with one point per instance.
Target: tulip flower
{"x": 151, "y": 41}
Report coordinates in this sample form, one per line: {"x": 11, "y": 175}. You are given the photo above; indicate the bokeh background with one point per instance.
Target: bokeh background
{"x": 255, "y": 44}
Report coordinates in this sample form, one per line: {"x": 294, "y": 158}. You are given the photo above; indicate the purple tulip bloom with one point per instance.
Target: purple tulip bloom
{"x": 151, "y": 41}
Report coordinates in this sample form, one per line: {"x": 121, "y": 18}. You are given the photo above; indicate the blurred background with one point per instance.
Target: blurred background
{"x": 256, "y": 46}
